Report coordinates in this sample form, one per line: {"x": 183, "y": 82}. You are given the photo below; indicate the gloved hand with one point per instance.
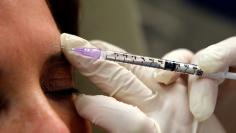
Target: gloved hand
{"x": 203, "y": 91}
{"x": 137, "y": 103}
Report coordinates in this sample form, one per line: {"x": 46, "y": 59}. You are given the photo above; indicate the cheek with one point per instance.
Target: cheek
{"x": 31, "y": 115}
{"x": 67, "y": 112}
{"x": 34, "y": 114}
{"x": 30, "y": 110}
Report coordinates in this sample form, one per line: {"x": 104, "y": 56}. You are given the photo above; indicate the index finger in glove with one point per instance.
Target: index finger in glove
{"x": 110, "y": 77}
{"x": 114, "y": 116}
{"x": 145, "y": 74}
{"x": 203, "y": 91}
{"x": 179, "y": 55}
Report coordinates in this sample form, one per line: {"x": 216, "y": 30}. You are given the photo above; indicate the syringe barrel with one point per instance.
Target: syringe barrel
{"x": 152, "y": 62}
{"x": 183, "y": 68}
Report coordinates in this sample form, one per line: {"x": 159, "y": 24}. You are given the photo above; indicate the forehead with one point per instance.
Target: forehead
{"x": 27, "y": 52}
{"x": 24, "y": 54}
{"x": 28, "y": 35}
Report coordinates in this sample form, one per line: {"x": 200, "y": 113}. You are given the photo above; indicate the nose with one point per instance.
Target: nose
{"x": 36, "y": 116}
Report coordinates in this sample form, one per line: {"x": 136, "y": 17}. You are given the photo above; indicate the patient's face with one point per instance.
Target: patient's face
{"x": 35, "y": 79}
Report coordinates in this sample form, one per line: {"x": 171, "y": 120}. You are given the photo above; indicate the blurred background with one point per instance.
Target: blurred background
{"x": 158, "y": 26}
{"x": 192, "y": 24}
{"x": 149, "y": 27}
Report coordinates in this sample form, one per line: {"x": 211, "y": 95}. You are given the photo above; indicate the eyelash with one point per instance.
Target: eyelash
{"x": 61, "y": 94}
{"x": 4, "y": 103}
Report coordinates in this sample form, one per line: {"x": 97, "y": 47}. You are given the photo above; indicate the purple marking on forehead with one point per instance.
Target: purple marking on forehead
{"x": 89, "y": 52}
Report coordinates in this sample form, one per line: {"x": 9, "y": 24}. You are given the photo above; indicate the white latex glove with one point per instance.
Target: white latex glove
{"x": 140, "y": 104}
{"x": 203, "y": 91}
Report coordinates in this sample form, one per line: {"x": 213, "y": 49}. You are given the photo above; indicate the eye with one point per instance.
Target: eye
{"x": 56, "y": 81}
{"x": 58, "y": 88}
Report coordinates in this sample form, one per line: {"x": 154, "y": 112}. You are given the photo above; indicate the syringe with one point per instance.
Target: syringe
{"x": 151, "y": 62}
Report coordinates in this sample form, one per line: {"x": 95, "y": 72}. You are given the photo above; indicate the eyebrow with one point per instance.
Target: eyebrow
{"x": 58, "y": 56}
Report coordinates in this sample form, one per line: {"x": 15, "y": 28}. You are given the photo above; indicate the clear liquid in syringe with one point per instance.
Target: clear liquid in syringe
{"x": 152, "y": 62}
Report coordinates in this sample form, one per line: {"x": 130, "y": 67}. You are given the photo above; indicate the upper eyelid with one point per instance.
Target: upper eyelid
{"x": 53, "y": 60}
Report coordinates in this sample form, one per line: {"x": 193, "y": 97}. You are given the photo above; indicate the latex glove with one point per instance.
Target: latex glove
{"x": 140, "y": 104}
{"x": 203, "y": 92}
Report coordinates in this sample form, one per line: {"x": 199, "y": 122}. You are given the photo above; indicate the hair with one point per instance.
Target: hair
{"x": 66, "y": 15}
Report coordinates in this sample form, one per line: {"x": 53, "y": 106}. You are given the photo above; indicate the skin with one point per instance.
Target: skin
{"x": 29, "y": 38}
{"x": 32, "y": 72}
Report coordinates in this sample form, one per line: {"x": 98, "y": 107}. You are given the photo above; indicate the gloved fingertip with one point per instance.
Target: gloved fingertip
{"x": 65, "y": 38}
{"x": 81, "y": 101}
{"x": 210, "y": 60}
{"x": 166, "y": 77}
{"x": 62, "y": 38}
{"x": 179, "y": 55}
{"x": 203, "y": 94}
{"x": 209, "y": 64}
{"x": 200, "y": 113}
{"x": 69, "y": 41}
{"x": 156, "y": 129}
{"x": 75, "y": 95}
